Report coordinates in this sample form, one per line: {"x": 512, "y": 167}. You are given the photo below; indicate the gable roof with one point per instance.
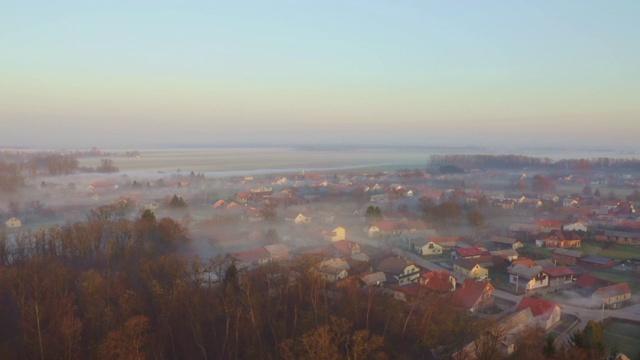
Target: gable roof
{"x": 394, "y": 265}
{"x": 471, "y": 292}
{"x": 470, "y": 251}
{"x": 503, "y": 240}
{"x": 614, "y": 290}
{"x": 438, "y": 280}
{"x": 539, "y": 308}
{"x": 375, "y": 278}
{"x": 525, "y": 271}
{"x": 466, "y": 264}
{"x": 567, "y": 252}
{"x": 558, "y": 271}
{"x": 588, "y": 281}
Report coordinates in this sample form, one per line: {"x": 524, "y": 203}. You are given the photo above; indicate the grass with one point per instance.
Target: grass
{"x": 631, "y": 279}
{"x": 623, "y": 336}
{"x": 619, "y": 252}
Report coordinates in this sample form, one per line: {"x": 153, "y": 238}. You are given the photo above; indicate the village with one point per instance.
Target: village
{"x": 554, "y": 251}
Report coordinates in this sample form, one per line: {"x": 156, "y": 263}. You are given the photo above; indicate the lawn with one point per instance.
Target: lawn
{"x": 631, "y": 279}
{"x": 620, "y": 252}
{"x": 623, "y": 336}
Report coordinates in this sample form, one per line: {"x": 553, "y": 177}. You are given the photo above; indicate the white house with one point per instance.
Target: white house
{"x": 13, "y": 223}
{"x": 528, "y": 278}
{"x": 577, "y": 226}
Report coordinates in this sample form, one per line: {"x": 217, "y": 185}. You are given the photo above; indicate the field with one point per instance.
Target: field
{"x": 619, "y": 252}
{"x": 624, "y": 336}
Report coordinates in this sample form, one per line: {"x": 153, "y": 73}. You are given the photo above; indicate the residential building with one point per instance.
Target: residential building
{"x": 559, "y": 276}
{"x": 402, "y": 271}
{"x": 545, "y": 312}
{"x": 612, "y": 296}
{"x": 560, "y": 239}
{"x": 527, "y": 278}
{"x": 474, "y": 295}
{"x": 470, "y": 268}
{"x": 566, "y": 256}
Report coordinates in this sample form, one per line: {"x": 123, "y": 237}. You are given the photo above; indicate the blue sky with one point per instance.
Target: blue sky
{"x": 136, "y": 74}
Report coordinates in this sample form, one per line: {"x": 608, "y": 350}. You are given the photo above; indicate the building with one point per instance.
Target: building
{"x": 545, "y": 312}
{"x": 13, "y": 223}
{"x": 470, "y": 268}
{"x": 502, "y": 242}
{"x": 474, "y": 295}
{"x": 560, "y": 239}
{"x": 566, "y": 256}
{"x": 528, "y": 278}
{"x": 559, "y": 276}
{"x": 438, "y": 280}
{"x": 612, "y": 296}
{"x": 336, "y": 234}
{"x": 619, "y": 237}
{"x": 595, "y": 262}
{"x": 401, "y": 271}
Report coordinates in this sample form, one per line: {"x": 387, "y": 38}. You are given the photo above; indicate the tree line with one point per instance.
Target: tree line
{"x": 469, "y": 161}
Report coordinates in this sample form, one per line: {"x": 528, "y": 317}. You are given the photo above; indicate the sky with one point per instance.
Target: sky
{"x": 138, "y": 74}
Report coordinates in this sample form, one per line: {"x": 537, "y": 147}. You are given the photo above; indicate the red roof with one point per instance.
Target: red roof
{"x": 587, "y": 281}
{"x": 471, "y": 251}
{"x": 345, "y": 246}
{"x": 386, "y": 226}
{"x": 538, "y": 307}
{"x": 471, "y": 292}
{"x": 523, "y": 261}
{"x": 549, "y": 223}
{"x": 614, "y": 290}
{"x": 558, "y": 271}
{"x": 438, "y": 280}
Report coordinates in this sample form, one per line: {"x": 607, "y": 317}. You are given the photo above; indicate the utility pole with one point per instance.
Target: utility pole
{"x": 602, "y": 315}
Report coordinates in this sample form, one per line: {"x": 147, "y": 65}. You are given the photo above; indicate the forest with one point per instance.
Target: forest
{"x": 113, "y": 288}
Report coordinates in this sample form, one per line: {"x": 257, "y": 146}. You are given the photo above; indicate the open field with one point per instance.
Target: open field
{"x": 625, "y": 336}
{"x": 619, "y": 252}
{"x": 264, "y": 160}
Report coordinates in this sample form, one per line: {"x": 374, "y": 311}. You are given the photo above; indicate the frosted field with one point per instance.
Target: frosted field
{"x": 261, "y": 160}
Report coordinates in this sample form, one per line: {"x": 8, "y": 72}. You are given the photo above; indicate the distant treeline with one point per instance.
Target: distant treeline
{"x": 519, "y": 161}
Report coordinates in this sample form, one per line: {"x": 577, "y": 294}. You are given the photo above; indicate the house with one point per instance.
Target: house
{"x": 474, "y": 295}
{"x": 346, "y": 247}
{"x": 577, "y": 226}
{"x": 426, "y": 247}
{"x": 438, "y": 280}
{"x": 549, "y": 225}
{"x": 251, "y": 258}
{"x": 612, "y": 296}
{"x": 470, "y": 268}
{"x": 527, "y": 278}
{"x": 566, "y": 256}
{"x": 377, "y": 278}
{"x": 334, "y": 269}
{"x": 508, "y": 254}
{"x": 502, "y": 242}
{"x": 402, "y": 271}
{"x": 447, "y": 242}
{"x": 559, "y": 275}
{"x": 546, "y": 313}
{"x": 336, "y": 234}
{"x": 560, "y": 239}
{"x": 468, "y": 253}
{"x": 298, "y": 218}
{"x": 278, "y": 252}
{"x": 619, "y": 237}
{"x": 152, "y": 206}
{"x": 570, "y": 202}
{"x": 13, "y": 223}
{"x": 595, "y": 262}
{"x": 587, "y": 284}
{"x": 501, "y": 338}
{"x": 382, "y": 228}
